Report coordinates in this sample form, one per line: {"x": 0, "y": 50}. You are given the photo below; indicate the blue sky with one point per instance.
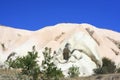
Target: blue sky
{"x": 35, "y": 14}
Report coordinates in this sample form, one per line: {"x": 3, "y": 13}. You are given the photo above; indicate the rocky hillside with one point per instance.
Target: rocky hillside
{"x": 87, "y": 45}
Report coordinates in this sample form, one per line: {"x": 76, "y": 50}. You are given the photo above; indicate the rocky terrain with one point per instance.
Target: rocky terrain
{"x": 87, "y": 45}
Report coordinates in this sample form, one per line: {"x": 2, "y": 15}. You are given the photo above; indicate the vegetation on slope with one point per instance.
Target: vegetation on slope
{"x": 107, "y": 67}
{"x": 29, "y": 66}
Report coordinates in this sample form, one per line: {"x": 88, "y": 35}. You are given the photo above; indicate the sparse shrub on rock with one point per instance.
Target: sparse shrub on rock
{"x": 107, "y": 67}
{"x": 73, "y": 71}
{"x": 118, "y": 70}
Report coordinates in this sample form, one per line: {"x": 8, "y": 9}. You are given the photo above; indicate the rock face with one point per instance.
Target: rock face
{"x": 87, "y": 45}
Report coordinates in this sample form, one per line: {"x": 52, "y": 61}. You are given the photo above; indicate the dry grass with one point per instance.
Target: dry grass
{"x": 98, "y": 77}
{"x": 7, "y": 74}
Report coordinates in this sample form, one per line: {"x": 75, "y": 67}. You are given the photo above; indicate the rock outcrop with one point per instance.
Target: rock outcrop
{"x": 87, "y": 45}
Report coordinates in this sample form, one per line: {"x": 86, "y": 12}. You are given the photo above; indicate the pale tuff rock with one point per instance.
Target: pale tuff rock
{"x": 87, "y": 45}
{"x": 85, "y": 50}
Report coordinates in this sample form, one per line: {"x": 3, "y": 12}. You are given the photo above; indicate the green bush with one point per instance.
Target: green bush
{"x": 73, "y": 71}
{"x": 118, "y": 70}
{"x": 27, "y": 64}
{"x": 50, "y": 71}
{"x": 107, "y": 67}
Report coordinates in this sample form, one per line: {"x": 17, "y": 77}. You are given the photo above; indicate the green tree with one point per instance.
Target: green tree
{"x": 27, "y": 63}
{"x": 50, "y": 71}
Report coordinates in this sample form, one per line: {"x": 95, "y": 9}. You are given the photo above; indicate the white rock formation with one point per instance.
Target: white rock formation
{"x": 87, "y": 55}
{"x": 88, "y": 45}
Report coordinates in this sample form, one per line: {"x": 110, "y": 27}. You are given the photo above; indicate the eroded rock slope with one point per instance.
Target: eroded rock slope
{"x": 87, "y": 45}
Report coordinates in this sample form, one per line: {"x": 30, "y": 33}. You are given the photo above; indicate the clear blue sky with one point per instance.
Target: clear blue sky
{"x": 35, "y": 14}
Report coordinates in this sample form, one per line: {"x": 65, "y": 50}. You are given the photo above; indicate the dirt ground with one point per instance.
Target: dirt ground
{"x": 98, "y": 77}
{"x": 6, "y": 74}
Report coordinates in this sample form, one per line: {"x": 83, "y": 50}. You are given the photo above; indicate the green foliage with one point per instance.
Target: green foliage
{"x": 50, "y": 70}
{"x": 27, "y": 63}
{"x": 108, "y": 67}
{"x": 73, "y": 71}
{"x": 118, "y": 70}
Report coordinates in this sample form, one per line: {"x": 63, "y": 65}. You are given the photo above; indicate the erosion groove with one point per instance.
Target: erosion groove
{"x": 91, "y": 32}
{"x": 117, "y": 43}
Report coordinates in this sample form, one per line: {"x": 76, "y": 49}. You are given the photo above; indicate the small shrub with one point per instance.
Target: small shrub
{"x": 73, "y": 71}
{"x": 118, "y": 70}
{"x": 108, "y": 67}
{"x": 50, "y": 70}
